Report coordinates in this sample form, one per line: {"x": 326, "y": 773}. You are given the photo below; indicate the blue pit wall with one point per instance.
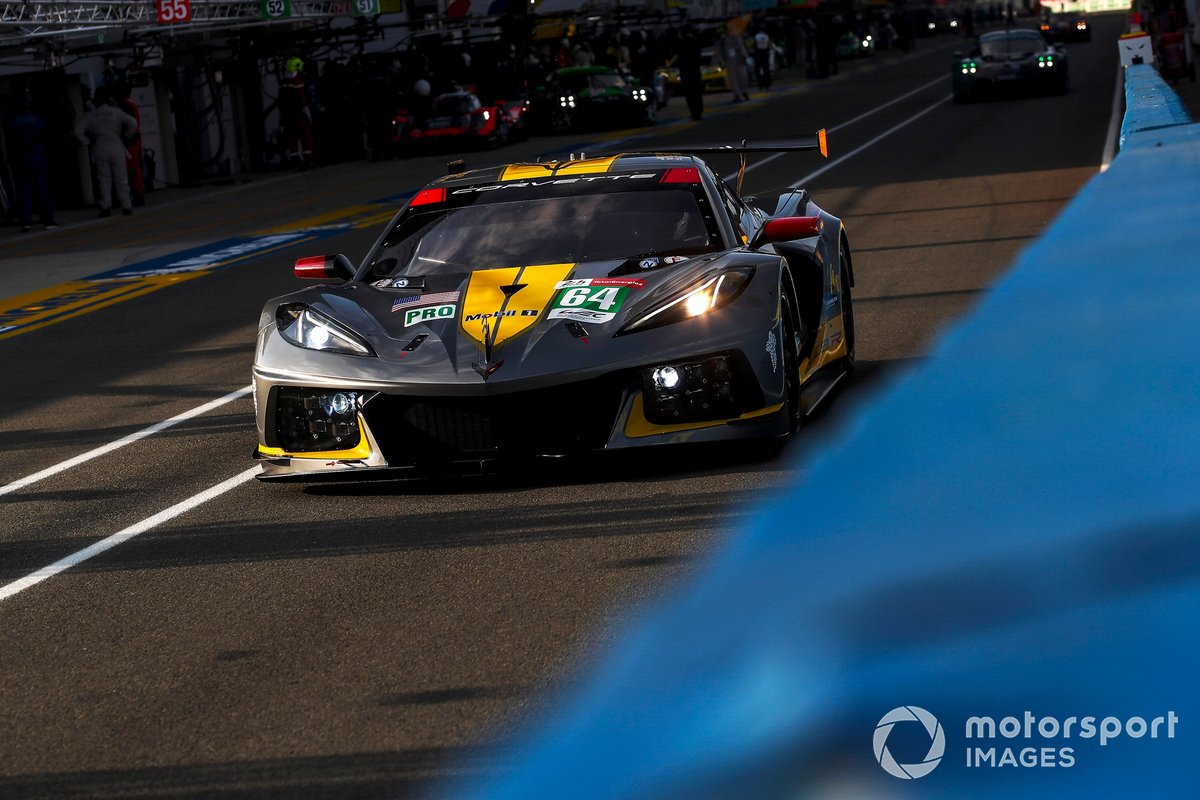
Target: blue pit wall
{"x": 1014, "y": 527}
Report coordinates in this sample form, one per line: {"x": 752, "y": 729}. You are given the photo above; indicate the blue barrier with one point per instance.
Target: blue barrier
{"x": 1010, "y": 534}
{"x": 1149, "y": 103}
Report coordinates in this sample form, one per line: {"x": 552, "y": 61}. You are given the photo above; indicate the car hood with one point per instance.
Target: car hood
{"x": 1008, "y": 58}
{"x": 496, "y": 326}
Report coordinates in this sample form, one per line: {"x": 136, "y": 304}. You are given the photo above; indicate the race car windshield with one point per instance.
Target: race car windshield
{"x": 608, "y": 81}
{"x": 546, "y": 230}
{"x": 451, "y": 106}
{"x": 1012, "y": 43}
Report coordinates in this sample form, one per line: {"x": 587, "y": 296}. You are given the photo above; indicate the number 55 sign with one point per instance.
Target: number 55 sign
{"x": 174, "y": 11}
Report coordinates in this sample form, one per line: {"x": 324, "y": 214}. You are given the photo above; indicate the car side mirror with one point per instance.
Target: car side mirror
{"x": 786, "y": 229}
{"x": 324, "y": 268}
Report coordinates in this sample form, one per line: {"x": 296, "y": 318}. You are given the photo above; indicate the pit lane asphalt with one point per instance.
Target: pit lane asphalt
{"x": 362, "y": 640}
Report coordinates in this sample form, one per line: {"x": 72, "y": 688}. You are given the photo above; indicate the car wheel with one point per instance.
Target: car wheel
{"x": 502, "y": 136}
{"x": 790, "y": 344}
{"x": 562, "y": 121}
{"x": 847, "y": 302}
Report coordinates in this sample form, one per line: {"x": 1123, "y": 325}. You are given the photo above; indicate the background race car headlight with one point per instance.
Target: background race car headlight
{"x": 306, "y": 327}
{"x": 709, "y": 294}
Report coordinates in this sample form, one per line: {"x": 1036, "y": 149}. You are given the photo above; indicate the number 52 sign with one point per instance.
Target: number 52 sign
{"x": 174, "y": 11}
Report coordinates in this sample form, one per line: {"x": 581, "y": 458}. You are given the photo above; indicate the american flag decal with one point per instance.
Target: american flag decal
{"x": 418, "y": 300}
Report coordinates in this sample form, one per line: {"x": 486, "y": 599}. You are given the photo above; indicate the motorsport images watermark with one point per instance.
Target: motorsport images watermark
{"x": 1043, "y": 741}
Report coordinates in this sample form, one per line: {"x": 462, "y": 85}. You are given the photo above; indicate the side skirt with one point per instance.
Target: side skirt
{"x": 813, "y": 393}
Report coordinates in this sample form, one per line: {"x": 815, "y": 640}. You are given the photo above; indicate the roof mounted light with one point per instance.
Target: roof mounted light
{"x": 681, "y": 175}
{"x": 427, "y": 197}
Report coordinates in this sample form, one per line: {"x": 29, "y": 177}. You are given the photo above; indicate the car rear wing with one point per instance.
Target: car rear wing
{"x": 818, "y": 141}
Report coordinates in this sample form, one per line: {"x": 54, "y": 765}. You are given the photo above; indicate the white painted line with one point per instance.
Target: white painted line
{"x": 847, "y": 123}
{"x": 74, "y": 559}
{"x": 130, "y": 439}
{"x": 1114, "y": 122}
{"x": 876, "y": 140}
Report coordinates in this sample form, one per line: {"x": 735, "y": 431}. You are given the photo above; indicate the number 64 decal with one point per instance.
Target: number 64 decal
{"x": 174, "y": 10}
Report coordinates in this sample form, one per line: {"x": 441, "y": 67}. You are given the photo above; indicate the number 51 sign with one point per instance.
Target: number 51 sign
{"x": 174, "y": 11}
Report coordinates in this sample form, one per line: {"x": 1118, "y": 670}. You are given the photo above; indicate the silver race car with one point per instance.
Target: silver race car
{"x": 559, "y": 308}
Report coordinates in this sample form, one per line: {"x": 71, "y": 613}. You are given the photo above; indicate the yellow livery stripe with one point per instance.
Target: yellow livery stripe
{"x": 503, "y": 303}
{"x": 556, "y": 169}
{"x": 586, "y": 167}
{"x": 524, "y": 172}
{"x": 637, "y": 426}
{"x": 359, "y": 452}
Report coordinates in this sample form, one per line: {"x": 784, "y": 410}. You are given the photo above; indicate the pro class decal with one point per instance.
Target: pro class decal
{"x": 589, "y": 303}
{"x": 428, "y": 313}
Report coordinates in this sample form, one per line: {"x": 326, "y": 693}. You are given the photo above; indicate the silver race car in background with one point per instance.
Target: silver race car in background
{"x": 559, "y": 308}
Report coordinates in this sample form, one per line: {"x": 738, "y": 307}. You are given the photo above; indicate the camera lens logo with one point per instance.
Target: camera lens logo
{"x": 937, "y": 742}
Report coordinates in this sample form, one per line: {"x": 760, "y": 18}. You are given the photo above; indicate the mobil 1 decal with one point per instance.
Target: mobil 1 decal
{"x": 592, "y": 299}
{"x": 501, "y": 304}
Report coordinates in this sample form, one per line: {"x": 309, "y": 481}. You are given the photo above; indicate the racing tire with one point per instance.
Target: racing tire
{"x": 562, "y": 121}
{"x": 503, "y": 136}
{"x": 847, "y": 303}
{"x": 790, "y": 345}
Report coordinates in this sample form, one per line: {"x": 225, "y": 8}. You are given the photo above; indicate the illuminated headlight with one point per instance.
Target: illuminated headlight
{"x": 567, "y": 101}
{"x": 953, "y": 23}
{"x": 932, "y": 26}
{"x": 312, "y": 420}
{"x": 866, "y": 43}
{"x": 707, "y": 295}
{"x": 703, "y": 389}
{"x": 487, "y": 115}
{"x": 665, "y": 377}
{"x": 306, "y": 327}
